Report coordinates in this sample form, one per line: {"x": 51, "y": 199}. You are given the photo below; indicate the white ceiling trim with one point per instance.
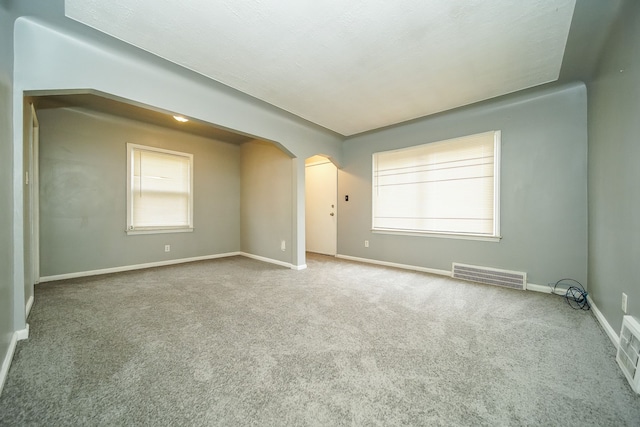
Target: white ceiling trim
{"x": 350, "y": 66}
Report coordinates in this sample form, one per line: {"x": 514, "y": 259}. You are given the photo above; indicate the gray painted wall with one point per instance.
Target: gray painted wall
{"x": 6, "y": 178}
{"x": 83, "y": 194}
{"x": 614, "y": 175}
{"x": 543, "y": 188}
{"x": 267, "y": 207}
{"x": 89, "y": 59}
{"x": 85, "y": 58}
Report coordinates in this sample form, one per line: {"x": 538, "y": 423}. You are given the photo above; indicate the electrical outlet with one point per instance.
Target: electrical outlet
{"x": 283, "y": 246}
{"x": 624, "y": 303}
{"x": 366, "y": 243}
{"x": 167, "y": 248}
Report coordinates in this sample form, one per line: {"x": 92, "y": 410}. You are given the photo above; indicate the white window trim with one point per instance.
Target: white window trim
{"x": 497, "y": 141}
{"x": 155, "y": 230}
{"x": 459, "y": 236}
{"x": 496, "y": 237}
{"x": 159, "y": 230}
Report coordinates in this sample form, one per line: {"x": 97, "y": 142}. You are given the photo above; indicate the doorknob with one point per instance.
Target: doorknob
{"x": 332, "y": 214}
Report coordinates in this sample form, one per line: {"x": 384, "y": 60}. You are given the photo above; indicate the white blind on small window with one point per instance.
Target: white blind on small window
{"x": 442, "y": 187}
{"x": 160, "y": 189}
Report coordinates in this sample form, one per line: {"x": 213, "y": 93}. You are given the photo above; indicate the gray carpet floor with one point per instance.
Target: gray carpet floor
{"x": 238, "y": 342}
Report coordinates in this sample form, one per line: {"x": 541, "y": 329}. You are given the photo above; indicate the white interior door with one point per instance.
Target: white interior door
{"x": 321, "y": 194}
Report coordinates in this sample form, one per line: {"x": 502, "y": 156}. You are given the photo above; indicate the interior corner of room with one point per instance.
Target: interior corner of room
{"x": 272, "y": 183}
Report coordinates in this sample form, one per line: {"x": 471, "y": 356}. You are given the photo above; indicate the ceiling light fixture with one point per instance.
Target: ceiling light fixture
{"x": 181, "y": 119}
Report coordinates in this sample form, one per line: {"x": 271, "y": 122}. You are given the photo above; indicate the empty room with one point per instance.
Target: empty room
{"x": 339, "y": 213}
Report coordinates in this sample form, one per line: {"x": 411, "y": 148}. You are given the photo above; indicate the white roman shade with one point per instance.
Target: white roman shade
{"x": 446, "y": 187}
{"x": 160, "y": 189}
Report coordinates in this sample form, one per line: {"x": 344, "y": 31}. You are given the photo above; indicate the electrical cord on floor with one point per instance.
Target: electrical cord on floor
{"x": 575, "y": 295}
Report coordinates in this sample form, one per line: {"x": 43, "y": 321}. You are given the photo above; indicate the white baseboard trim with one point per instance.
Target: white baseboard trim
{"x": 75, "y": 275}
{"x": 28, "y": 307}
{"x": 272, "y": 261}
{"x": 134, "y": 267}
{"x": 22, "y": 334}
{"x": 6, "y": 363}
{"x": 613, "y": 336}
{"x": 539, "y": 288}
{"x": 393, "y": 264}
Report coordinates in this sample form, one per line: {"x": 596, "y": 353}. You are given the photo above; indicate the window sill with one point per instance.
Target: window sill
{"x": 438, "y": 235}
{"x": 159, "y": 230}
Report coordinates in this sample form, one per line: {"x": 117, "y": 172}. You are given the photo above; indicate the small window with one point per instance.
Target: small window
{"x": 448, "y": 188}
{"x": 159, "y": 190}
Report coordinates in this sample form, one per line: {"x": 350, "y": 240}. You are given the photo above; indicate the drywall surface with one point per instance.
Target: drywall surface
{"x": 51, "y": 58}
{"x": 83, "y": 194}
{"x": 614, "y": 175}
{"x": 359, "y": 64}
{"x": 590, "y": 27}
{"x": 78, "y": 58}
{"x": 267, "y": 207}
{"x": 6, "y": 183}
{"x": 543, "y": 188}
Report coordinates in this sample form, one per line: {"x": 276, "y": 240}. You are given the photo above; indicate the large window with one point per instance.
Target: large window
{"x": 446, "y": 188}
{"x": 159, "y": 190}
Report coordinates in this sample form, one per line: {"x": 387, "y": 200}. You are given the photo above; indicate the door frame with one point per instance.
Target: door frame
{"x": 316, "y": 161}
{"x": 34, "y": 194}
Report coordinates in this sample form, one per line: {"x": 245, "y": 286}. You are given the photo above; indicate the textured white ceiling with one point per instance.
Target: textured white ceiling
{"x": 350, "y": 66}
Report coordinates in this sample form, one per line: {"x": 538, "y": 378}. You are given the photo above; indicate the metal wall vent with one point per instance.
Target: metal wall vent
{"x": 490, "y": 276}
{"x": 629, "y": 351}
